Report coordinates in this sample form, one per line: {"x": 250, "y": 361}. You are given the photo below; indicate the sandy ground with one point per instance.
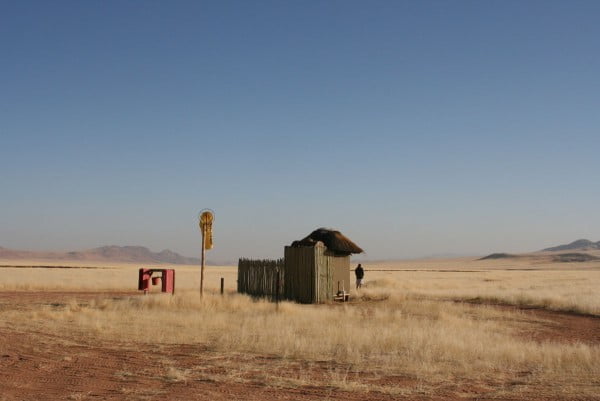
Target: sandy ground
{"x": 39, "y": 366}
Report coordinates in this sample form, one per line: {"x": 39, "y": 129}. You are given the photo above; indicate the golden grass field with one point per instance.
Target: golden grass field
{"x": 425, "y": 329}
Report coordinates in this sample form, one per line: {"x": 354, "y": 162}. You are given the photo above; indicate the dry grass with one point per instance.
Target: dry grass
{"x": 558, "y": 286}
{"x": 400, "y": 335}
{"x": 401, "y": 324}
{"x": 110, "y": 278}
{"x": 570, "y": 290}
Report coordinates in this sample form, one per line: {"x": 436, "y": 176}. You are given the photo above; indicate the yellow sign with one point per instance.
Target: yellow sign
{"x": 206, "y": 220}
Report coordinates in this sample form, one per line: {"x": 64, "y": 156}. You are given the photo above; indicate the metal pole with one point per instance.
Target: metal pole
{"x": 202, "y": 266}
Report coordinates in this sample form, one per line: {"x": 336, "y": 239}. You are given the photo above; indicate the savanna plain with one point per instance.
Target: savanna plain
{"x": 458, "y": 329}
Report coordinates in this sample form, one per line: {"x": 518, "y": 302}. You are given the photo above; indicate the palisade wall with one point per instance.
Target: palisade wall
{"x": 259, "y": 277}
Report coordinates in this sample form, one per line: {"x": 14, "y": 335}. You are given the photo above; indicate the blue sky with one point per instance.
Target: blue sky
{"x": 415, "y": 128}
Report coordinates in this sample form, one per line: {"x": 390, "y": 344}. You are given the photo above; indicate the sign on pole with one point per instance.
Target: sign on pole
{"x": 206, "y": 218}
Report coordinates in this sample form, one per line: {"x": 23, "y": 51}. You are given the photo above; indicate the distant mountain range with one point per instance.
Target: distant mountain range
{"x": 140, "y": 254}
{"x": 580, "y": 244}
{"x": 111, "y": 253}
{"x": 572, "y": 252}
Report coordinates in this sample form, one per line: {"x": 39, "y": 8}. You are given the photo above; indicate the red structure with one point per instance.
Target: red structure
{"x": 166, "y": 277}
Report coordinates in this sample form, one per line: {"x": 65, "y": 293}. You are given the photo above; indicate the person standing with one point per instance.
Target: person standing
{"x": 360, "y": 274}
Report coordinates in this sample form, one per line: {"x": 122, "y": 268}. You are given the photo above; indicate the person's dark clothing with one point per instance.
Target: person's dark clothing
{"x": 360, "y": 272}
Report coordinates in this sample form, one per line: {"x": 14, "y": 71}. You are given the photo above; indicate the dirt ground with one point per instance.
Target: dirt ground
{"x": 39, "y": 366}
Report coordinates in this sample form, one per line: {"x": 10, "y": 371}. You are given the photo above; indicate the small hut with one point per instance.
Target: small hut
{"x": 317, "y": 267}
{"x": 314, "y": 269}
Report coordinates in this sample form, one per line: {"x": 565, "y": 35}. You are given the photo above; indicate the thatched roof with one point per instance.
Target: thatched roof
{"x": 334, "y": 241}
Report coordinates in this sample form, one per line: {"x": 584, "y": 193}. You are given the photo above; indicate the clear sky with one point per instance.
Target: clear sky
{"x": 416, "y": 128}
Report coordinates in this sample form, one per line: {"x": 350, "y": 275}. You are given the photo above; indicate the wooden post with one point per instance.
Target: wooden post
{"x": 277, "y": 289}
{"x": 206, "y": 220}
{"x": 202, "y": 265}
{"x": 222, "y": 285}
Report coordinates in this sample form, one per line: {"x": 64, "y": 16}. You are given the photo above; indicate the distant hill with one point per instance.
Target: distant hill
{"x": 498, "y": 256}
{"x": 575, "y": 257}
{"x": 573, "y": 252}
{"x": 111, "y": 253}
{"x": 580, "y": 244}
